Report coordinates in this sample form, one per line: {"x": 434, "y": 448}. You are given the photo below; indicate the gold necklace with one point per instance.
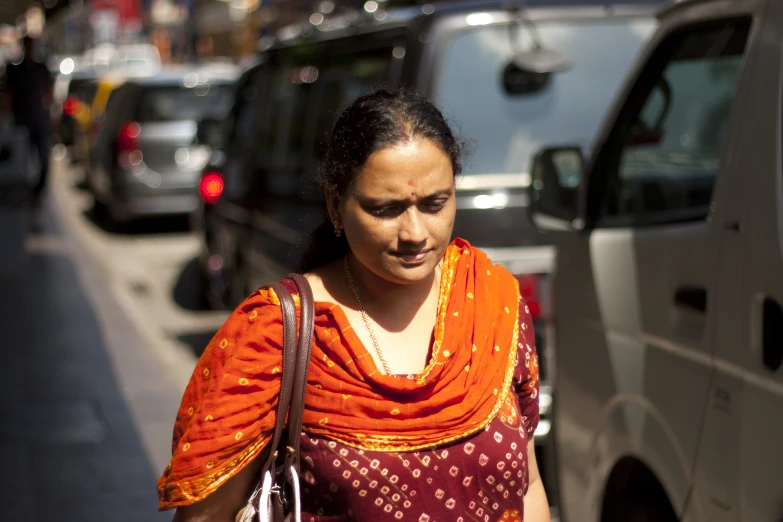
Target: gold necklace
{"x": 365, "y": 317}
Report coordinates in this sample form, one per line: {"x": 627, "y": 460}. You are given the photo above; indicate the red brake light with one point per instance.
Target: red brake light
{"x": 529, "y": 289}
{"x": 211, "y": 187}
{"x": 127, "y": 137}
{"x": 70, "y": 106}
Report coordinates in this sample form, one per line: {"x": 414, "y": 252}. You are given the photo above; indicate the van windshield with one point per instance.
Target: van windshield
{"x": 508, "y": 129}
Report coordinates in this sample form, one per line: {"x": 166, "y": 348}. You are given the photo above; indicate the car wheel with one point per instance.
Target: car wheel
{"x": 89, "y": 182}
{"x": 99, "y": 210}
{"x": 106, "y": 218}
{"x": 239, "y": 284}
{"x": 210, "y": 289}
{"x": 643, "y": 506}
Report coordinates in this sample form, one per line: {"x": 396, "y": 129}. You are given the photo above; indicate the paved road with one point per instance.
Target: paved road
{"x": 96, "y": 354}
{"x": 150, "y": 269}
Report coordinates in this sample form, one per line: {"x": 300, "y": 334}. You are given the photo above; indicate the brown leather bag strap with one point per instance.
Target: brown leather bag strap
{"x": 296, "y": 411}
{"x": 294, "y": 377}
{"x": 288, "y": 309}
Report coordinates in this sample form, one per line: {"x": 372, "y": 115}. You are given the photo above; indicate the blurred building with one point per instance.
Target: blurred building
{"x": 182, "y": 30}
{"x": 234, "y": 27}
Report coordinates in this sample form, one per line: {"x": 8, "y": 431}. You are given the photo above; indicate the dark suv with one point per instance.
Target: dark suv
{"x": 509, "y": 78}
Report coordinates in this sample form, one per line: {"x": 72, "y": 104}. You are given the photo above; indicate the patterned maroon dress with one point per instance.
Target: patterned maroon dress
{"x": 481, "y": 478}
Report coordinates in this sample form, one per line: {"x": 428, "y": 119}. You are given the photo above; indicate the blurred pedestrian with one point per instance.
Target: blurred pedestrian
{"x": 28, "y": 91}
{"x": 422, "y": 394}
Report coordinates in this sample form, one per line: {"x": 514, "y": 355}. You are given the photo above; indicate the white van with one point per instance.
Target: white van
{"x": 668, "y": 284}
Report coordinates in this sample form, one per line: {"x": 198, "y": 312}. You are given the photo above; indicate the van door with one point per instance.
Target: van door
{"x": 742, "y": 454}
{"x": 280, "y": 167}
{"x": 228, "y": 224}
{"x": 635, "y": 297}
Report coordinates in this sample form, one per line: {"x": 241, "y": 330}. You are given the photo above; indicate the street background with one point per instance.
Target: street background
{"x": 104, "y": 326}
{"x": 99, "y": 344}
{"x": 200, "y": 111}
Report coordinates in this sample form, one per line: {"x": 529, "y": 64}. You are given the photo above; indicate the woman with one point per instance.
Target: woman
{"x": 422, "y": 394}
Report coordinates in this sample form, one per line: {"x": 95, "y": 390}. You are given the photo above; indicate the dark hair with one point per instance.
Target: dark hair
{"x": 371, "y": 123}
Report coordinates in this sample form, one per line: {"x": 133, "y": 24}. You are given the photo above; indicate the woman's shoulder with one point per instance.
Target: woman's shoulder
{"x": 265, "y": 300}
{"x": 258, "y": 317}
{"x": 227, "y": 409}
{"x": 326, "y": 282}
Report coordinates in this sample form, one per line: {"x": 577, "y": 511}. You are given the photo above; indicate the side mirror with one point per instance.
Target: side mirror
{"x": 529, "y": 72}
{"x": 517, "y": 81}
{"x": 210, "y": 133}
{"x": 542, "y": 60}
{"x": 555, "y": 187}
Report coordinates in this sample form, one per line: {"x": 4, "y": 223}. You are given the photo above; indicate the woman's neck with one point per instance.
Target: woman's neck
{"x": 392, "y": 306}
{"x": 379, "y": 293}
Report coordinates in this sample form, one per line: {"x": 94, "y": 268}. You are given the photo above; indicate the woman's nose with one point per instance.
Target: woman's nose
{"x": 412, "y": 227}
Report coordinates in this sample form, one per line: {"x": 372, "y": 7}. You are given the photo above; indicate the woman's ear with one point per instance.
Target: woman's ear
{"x": 333, "y": 207}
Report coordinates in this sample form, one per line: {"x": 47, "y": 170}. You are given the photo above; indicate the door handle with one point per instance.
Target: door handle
{"x": 692, "y": 298}
{"x": 772, "y": 334}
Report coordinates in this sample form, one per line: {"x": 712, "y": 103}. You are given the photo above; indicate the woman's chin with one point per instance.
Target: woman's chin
{"x": 409, "y": 273}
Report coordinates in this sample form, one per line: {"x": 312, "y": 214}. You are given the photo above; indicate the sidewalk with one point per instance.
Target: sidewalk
{"x": 86, "y": 409}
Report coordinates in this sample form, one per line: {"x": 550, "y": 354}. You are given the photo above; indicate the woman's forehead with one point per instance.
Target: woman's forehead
{"x": 417, "y": 164}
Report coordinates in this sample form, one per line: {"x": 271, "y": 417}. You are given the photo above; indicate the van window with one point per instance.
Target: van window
{"x": 282, "y": 155}
{"x": 348, "y": 76}
{"x": 671, "y": 134}
{"x": 363, "y": 72}
{"x": 289, "y": 106}
{"x": 248, "y": 98}
{"x": 509, "y": 129}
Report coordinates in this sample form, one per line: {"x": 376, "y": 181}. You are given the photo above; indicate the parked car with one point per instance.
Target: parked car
{"x": 79, "y": 88}
{"x": 144, "y": 160}
{"x": 510, "y": 79}
{"x": 106, "y": 84}
{"x": 668, "y": 283}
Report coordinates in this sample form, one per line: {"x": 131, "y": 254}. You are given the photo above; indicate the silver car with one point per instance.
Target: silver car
{"x": 145, "y": 159}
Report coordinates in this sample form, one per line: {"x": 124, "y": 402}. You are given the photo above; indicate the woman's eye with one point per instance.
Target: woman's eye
{"x": 435, "y": 206}
{"x": 389, "y": 211}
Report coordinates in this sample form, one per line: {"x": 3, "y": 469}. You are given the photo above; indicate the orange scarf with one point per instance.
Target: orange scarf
{"x": 228, "y": 410}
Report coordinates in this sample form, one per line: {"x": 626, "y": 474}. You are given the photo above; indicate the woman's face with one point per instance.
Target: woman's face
{"x": 398, "y": 214}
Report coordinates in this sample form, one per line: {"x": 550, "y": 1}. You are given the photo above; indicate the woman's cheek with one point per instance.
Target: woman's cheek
{"x": 443, "y": 224}
{"x": 372, "y": 230}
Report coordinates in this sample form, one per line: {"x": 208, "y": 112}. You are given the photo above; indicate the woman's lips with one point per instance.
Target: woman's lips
{"x": 416, "y": 257}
